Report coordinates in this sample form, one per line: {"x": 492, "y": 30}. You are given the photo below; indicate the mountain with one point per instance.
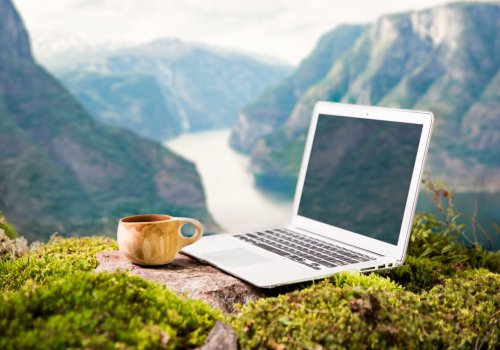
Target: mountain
{"x": 131, "y": 101}
{"x": 272, "y": 108}
{"x": 444, "y": 59}
{"x": 60, "y": 170}
{"x": 167, "y": 86}
{"x": 14, "y": 39}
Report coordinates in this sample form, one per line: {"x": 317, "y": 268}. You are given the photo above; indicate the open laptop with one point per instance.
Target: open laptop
{"x": 354, "y": 203}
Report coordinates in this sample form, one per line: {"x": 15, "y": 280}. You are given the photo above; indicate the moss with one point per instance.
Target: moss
{"x": 59, "y": 258}
{"x": 51, "y": 298}
{"x": 418, "y": 274}
{"x": 445, "y": 295}
{"x": 326, "y": 316}
{"x": 441, "y": 242}
{"x": 9, "y": 230}
{"x": 53, "y": 294}
{"x": 102, "y": 310}
{"x": 361, "y": 280}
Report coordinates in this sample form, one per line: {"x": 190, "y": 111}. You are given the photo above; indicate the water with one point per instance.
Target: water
{"x": 232, "y": 197}
{"x": 238, "y": 205}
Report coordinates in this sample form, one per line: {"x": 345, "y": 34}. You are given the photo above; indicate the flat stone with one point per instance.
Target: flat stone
{"x": 188, "y": 277}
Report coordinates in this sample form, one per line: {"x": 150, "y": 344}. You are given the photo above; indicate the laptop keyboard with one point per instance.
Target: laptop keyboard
{"x": 303, "y": 249}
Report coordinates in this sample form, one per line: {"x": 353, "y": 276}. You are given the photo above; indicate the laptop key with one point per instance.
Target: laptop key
{"x": 271, "y": 249}
{"x": 302, "y": 249}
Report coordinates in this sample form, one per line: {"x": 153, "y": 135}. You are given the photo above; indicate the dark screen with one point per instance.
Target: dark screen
{"x": 359, "y": 175}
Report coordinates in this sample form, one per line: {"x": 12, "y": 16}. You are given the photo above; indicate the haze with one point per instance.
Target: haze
{"x": 282, "y": 29}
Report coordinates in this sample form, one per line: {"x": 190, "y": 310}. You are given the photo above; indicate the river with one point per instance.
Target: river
{"x": 232, "y": 197}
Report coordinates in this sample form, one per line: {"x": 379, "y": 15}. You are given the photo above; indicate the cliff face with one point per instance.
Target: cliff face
{"x": 60, "y": 170}
{"x": 444, "y": 59}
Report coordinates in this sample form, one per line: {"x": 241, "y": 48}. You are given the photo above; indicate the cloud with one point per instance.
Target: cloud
{"x": 287, "y": 29}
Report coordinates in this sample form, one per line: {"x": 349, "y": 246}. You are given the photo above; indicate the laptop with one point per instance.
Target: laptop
{"x": 354, "y": 203}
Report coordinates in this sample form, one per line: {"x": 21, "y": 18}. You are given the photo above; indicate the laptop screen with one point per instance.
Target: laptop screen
{"x": 359, "y": 174}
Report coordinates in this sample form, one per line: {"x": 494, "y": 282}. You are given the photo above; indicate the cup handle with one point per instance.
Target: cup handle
{"x": 184, "y": 241}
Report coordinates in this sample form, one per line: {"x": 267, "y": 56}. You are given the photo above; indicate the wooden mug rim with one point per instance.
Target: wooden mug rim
{"x": 146, "y": 218}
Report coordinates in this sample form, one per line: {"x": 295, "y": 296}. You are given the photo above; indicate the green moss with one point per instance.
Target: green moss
{"x": 435, "y": 253}
{"x": 438, "y": 298}
{"x": 346, "y": 279}
{"x": 418, "y": 274}
{"x": 59, "y": 258}
{"x": 102, "y": 310}
{"x": 445, "y": 295}
{"x": 52, "y": 294}
{"x": 9, "y": 230}
{"x": 440, "y": 241}
{"x": 326, "y": 316}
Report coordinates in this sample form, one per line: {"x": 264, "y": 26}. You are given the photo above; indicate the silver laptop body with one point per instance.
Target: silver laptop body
{"x": 354, "y": 203}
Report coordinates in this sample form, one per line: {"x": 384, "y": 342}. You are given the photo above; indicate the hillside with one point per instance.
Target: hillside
{"x": 60, "y": 170}
{"x": 194, "y": 86}
{"x": 444, "y": 59}
{"x": 132, "y": 101}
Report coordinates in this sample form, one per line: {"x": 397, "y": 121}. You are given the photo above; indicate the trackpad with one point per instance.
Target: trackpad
{"x": 235, "y": 258}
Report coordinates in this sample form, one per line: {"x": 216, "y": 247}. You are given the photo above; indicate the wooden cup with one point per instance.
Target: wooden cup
{"x": 154, "y": 239}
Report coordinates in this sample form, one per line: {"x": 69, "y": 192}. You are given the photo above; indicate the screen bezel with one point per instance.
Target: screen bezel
{"x": 331, "y": 109}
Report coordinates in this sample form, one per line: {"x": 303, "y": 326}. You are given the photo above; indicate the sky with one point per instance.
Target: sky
{"x": 284, "y": 29}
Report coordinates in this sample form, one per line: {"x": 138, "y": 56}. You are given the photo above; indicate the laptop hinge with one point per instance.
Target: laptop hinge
{"x": 344, "y": 243}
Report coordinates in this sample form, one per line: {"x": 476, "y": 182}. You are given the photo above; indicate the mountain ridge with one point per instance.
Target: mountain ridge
{"x": 440, "y": 59}
{"x": 200, "y": 87}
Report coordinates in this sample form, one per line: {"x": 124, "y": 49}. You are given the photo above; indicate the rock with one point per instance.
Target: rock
{"x": 188, "y": 276}
{"x": 221, "y": 337}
